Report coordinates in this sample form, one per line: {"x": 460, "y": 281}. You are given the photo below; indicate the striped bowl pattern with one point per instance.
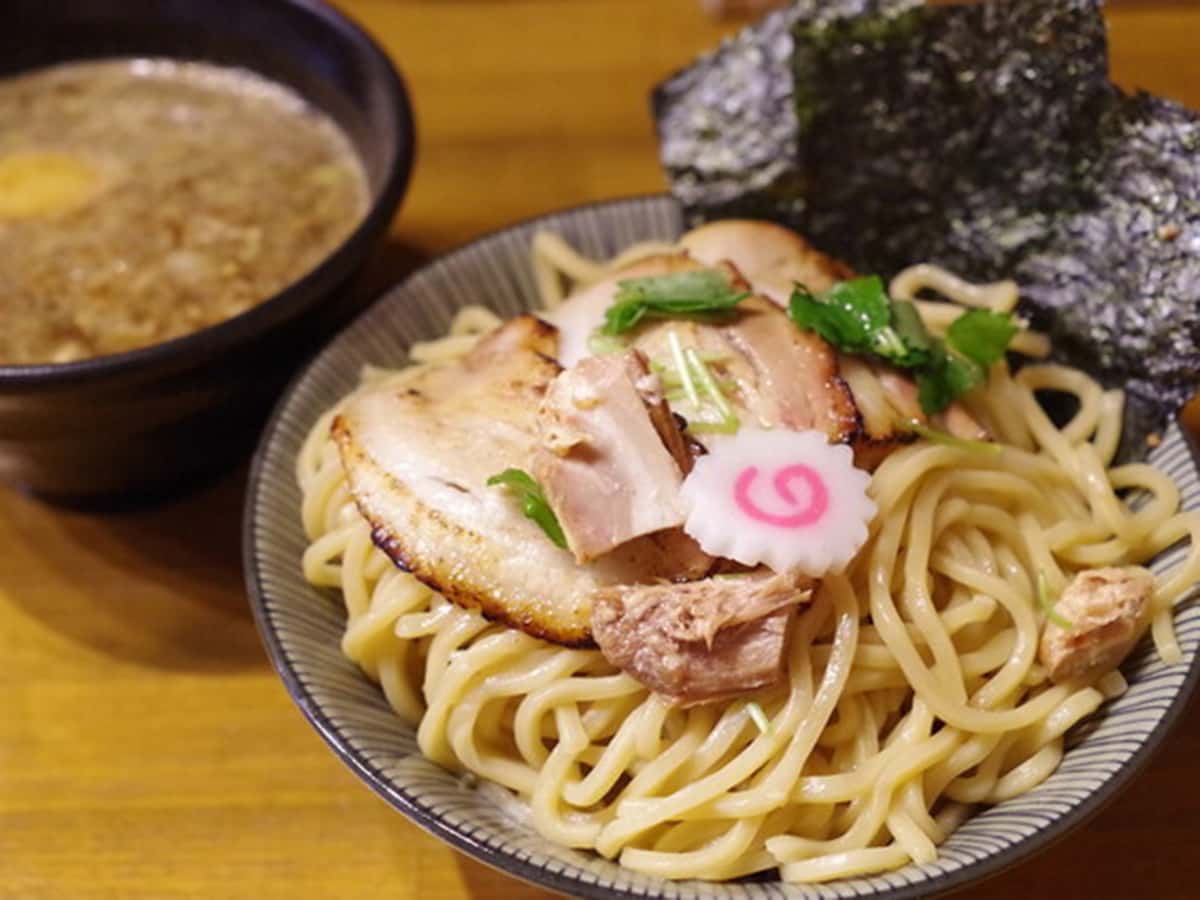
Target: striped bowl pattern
{"x": 302, "y": 626}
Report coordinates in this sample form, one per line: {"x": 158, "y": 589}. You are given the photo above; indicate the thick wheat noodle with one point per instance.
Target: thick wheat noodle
{"x": 912, "y": 691}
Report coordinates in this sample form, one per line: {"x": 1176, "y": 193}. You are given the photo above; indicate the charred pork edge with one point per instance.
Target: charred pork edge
{"x": 393, "y": 547}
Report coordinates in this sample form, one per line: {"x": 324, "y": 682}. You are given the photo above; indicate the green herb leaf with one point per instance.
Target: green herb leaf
{"x": 962, "y": 372}
{"x": 945, "y": 377}
{"x": 533, "y": 502}
{"x": 1046, "y": 602}
{"x": 699, "y": 293}
{"x": 865, "y": 304}
{"x": 854, "y": 316}
{"x": 981, "y": 335}
{"x": 829, "y": 322}
{"x": 620, "y": 318}
{"x": 908, "y": 324}
{"x": 933, "y": 391}
{"x": 858, "y": 317}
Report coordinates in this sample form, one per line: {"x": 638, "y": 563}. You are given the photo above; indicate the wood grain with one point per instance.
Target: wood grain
{"x": 147, "y": 749}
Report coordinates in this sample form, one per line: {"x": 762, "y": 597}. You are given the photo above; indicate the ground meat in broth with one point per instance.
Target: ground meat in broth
{"x": 146, "y": 199}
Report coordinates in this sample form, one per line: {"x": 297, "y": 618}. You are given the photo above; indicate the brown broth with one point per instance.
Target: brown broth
{"x": 141, "y": 200}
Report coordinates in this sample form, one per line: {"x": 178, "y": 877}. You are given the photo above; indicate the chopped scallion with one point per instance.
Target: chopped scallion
{"x": 703, "y": 426}
{"x": 601, "y": 344}
{"x": 689, "y": 378}
{"x": 1047, "y": 603}
{"x": 705, "y": 377}
{"x": 670, "y": 380}
{"x": 935, "y": 436}
{"x": 681, "y": 366}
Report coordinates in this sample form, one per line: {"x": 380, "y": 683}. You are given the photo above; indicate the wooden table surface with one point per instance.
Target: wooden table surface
{"x": 147, "y": 749}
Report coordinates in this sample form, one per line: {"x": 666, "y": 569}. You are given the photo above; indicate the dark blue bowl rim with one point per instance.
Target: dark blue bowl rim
{"x": 213, "y": 340}
{"x": 558, "y": 881}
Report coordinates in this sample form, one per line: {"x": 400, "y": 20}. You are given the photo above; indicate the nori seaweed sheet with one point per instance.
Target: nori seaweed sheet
{"x": 986, "y": 138}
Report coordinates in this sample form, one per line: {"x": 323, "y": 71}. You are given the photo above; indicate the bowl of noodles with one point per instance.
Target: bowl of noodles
{"x": 914, "y": 741}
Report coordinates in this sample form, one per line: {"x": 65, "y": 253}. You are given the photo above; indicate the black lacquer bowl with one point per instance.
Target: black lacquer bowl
{"x": 152, "y": 420}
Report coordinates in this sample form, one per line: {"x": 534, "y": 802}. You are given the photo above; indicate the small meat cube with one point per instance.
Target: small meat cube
{"x": 1107, "y": 610}
{"x": 702, "y": 640}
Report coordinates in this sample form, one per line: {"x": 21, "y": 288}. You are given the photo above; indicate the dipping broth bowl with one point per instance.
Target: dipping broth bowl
{"x": 151, "y": 421}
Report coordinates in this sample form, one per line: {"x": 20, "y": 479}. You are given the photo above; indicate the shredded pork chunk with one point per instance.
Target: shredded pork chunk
{"x": 1106, "y": 610}
{"x": 702, "y": 640}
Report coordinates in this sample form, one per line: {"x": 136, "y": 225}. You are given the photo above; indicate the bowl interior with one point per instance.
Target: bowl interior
{"x": 304, "y": 44}
{"x": 307, "y": 46}
{"x": 302, "y": 626}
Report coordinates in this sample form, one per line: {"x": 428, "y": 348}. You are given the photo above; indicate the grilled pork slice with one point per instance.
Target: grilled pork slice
{"x": 418, "y": 458}
{"x": 796, "y": 372}
{"x": 783, "y": 376}
{"x": 775, "y": 375}
{"x": 578, "y": 317}
{"x": 886, "y": 400}
{"x": 773, "y": 259}
{"x": 612, "y": 457}
{"x": 700, "y": 641}
{"x": 1105, "y": 611}
{"x": 770, "y": 256}
{"x": 879, "y": 435}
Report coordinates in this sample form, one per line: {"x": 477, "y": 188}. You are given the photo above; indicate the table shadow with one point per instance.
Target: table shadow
{"x": 161, "y": 587}
{"x": 160, "y": 581}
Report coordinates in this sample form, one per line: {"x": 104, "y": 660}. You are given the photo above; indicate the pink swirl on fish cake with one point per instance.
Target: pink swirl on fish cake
{"x": 810, "y": 514}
